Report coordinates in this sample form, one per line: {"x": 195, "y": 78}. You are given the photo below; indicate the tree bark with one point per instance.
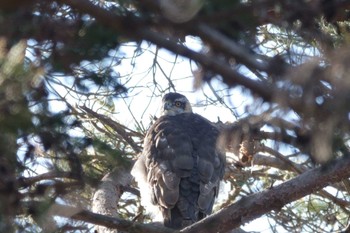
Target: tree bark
{"x": 106, "y": 197}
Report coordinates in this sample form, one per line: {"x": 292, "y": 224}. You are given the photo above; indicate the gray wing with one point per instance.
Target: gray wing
{"x": 182, "y": 167}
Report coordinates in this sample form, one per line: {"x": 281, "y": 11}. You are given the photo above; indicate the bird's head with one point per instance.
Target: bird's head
{"x": 175, "y": 103}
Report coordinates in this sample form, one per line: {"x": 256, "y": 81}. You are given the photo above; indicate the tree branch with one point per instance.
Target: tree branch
{"x": 256, "y": 205}
{"x": 27, "y": 181}
{"x": 223, "y": 43}
{"x": 106, "y": 197}
{"x": 270, "y": 161}
{"x": 102, "y": 220}
{"x": 125, "y": 133}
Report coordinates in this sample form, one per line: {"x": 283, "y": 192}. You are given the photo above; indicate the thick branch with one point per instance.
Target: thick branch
{"x": 256, "y": 205}
{"x": 106, "y": 197}
{"x": 223, "y": 43}
{"x": 102, "y": 220}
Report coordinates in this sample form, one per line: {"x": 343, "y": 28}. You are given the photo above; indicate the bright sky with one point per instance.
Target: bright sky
{"x": 143, "y": 106}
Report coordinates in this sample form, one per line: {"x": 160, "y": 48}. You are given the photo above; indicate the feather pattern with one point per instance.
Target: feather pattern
{"x": 180, "y": 168}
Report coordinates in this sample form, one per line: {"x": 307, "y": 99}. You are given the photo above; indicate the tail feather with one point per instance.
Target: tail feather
{"x": 186, "y": 211}
{"x": 175, "y": 220}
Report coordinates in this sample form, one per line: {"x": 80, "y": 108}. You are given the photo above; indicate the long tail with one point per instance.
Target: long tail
{"x": 186, "y": 211}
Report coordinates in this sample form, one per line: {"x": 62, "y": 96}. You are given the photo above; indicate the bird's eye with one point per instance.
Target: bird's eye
{"x": 177, "y": 103}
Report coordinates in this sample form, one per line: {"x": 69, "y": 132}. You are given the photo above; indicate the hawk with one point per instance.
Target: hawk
{"x": 181, "y": 166}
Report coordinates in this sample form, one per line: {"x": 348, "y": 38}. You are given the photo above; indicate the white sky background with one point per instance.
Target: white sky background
{"x": 143, "y": 106}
